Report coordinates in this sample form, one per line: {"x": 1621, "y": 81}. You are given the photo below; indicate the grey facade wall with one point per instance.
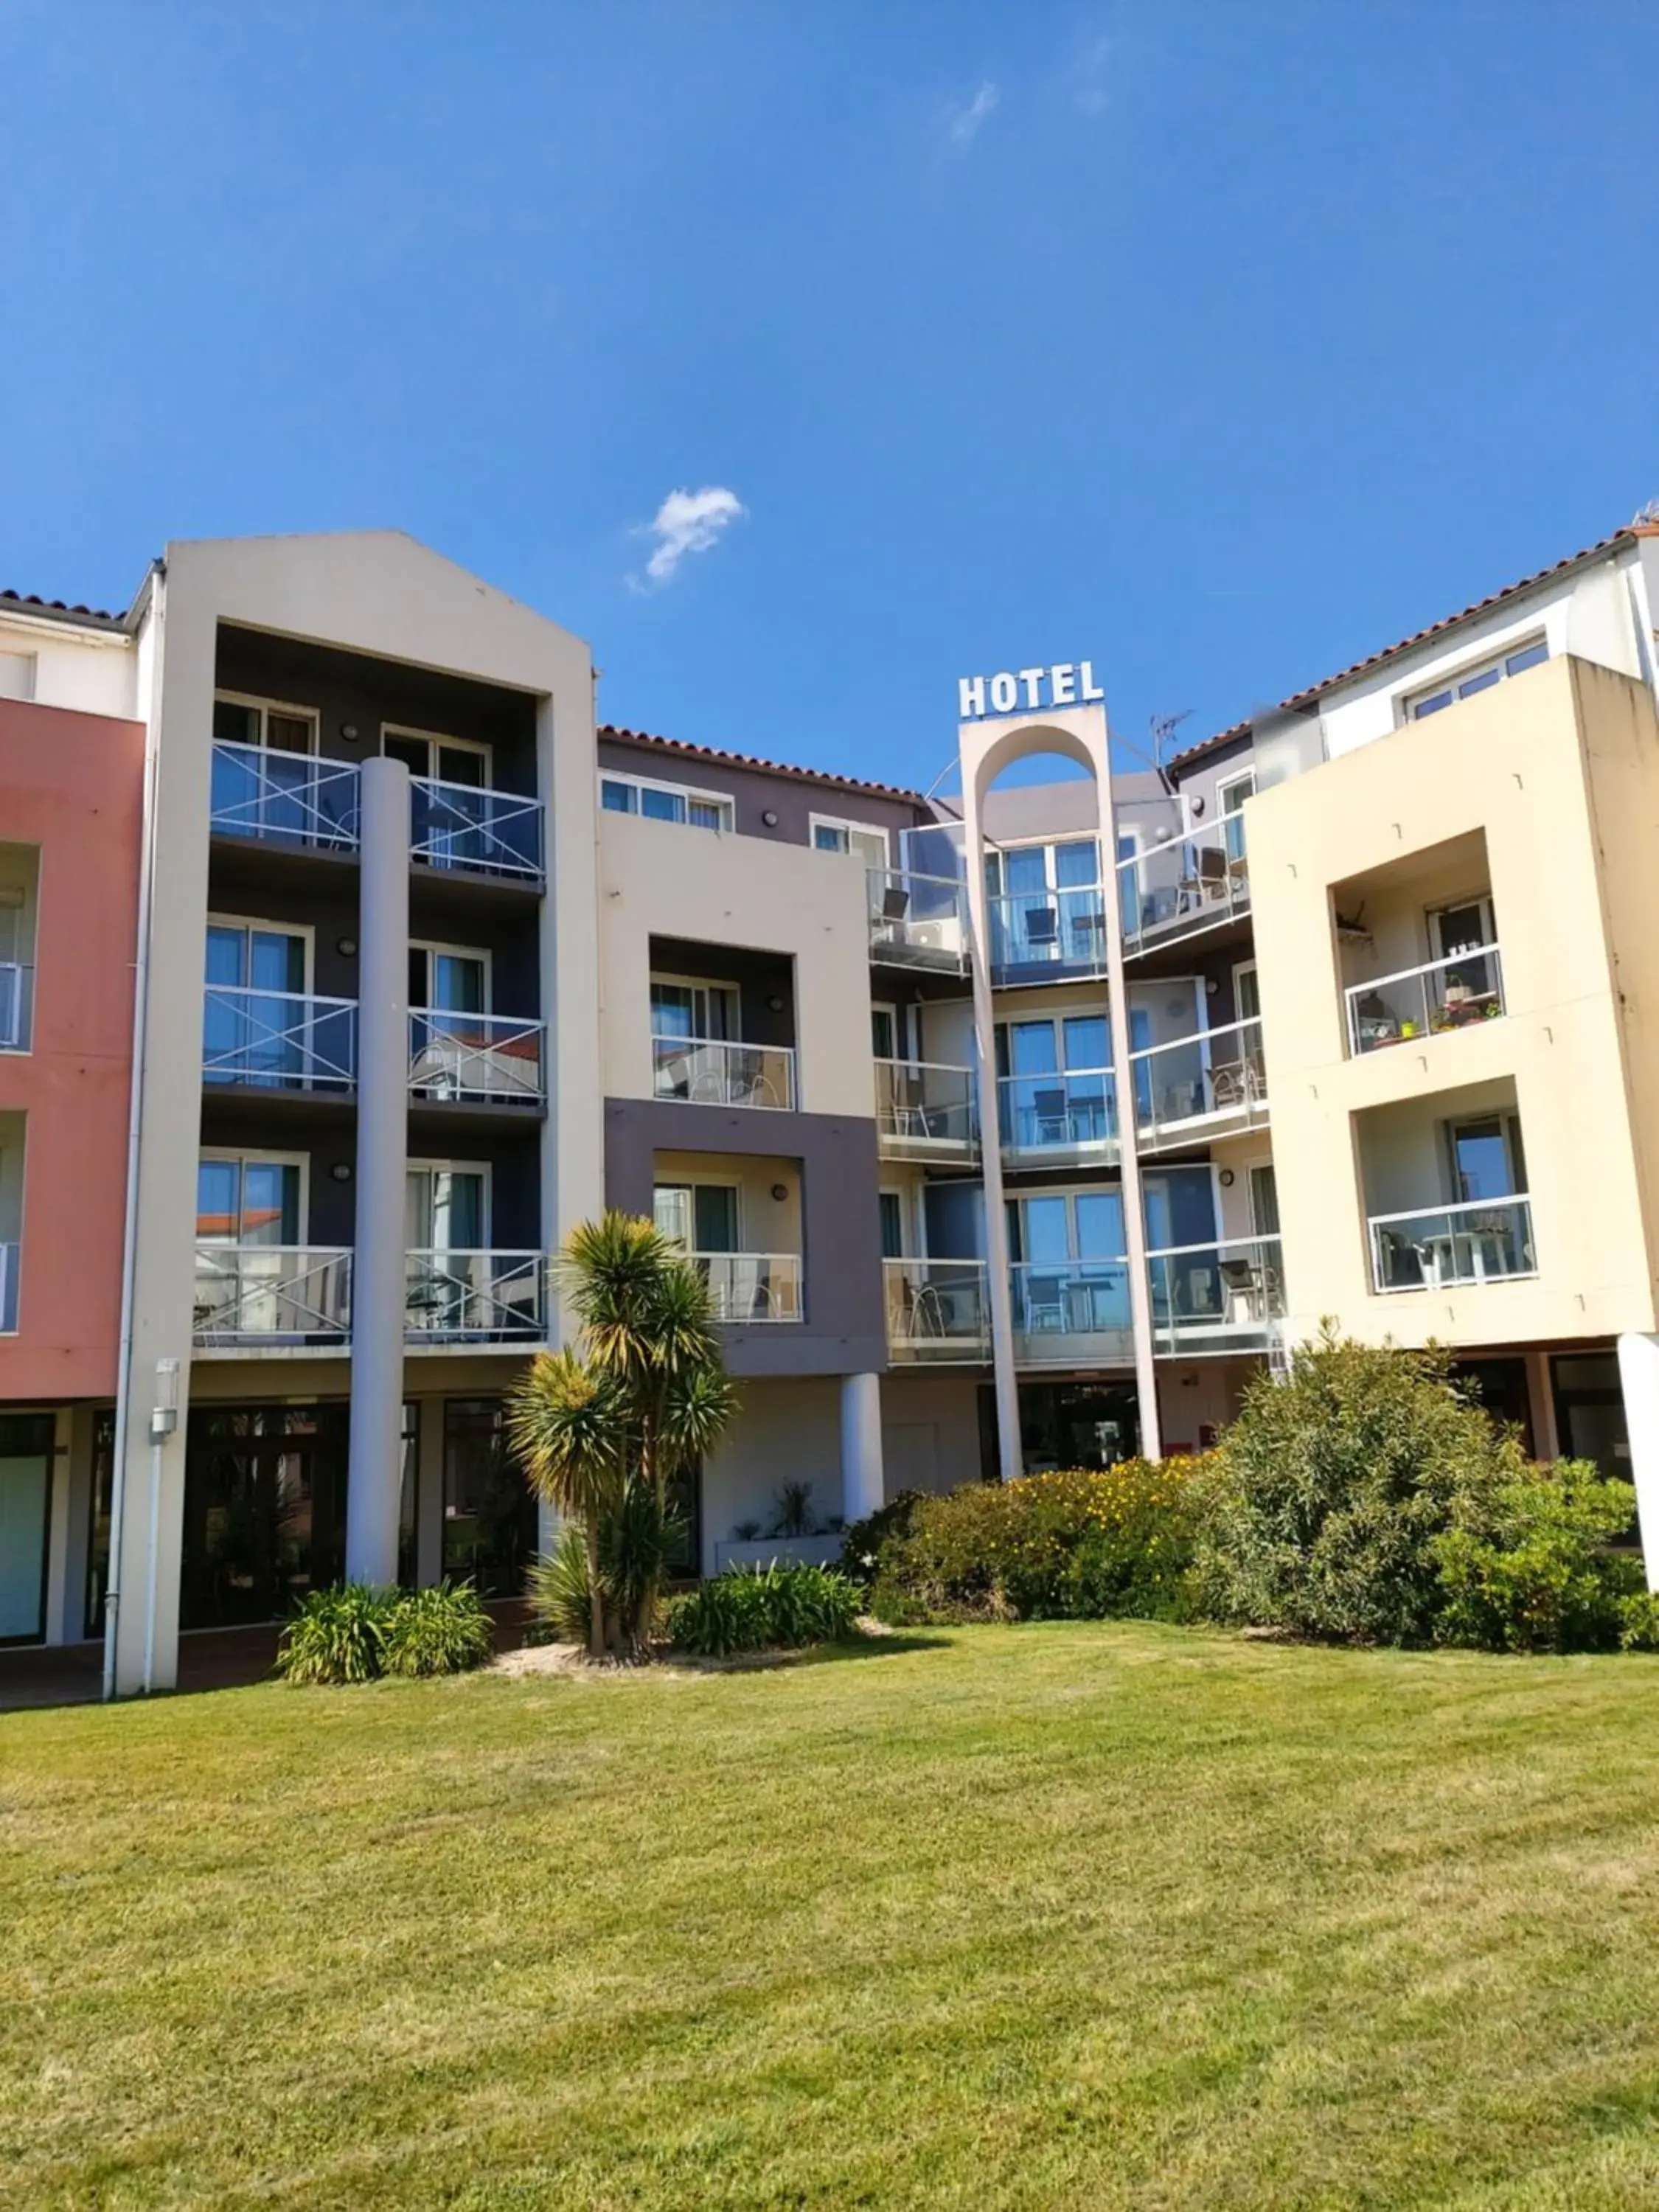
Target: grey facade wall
{"x": 756, "y": 792}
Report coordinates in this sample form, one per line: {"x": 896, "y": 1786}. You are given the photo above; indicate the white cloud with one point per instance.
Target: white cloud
{"x": 963, "y": 122}
{"x": 689, "y": 522}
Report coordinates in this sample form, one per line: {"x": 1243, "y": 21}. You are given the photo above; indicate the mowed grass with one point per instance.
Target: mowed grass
{"x": 1029, "y": 1916}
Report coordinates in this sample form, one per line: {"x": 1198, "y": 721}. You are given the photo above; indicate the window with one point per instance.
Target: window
{"x": 665, "y": 802}
{"x": 279, "y": 729}
{"x": 1053, "y": 1227}
{"x": 699, "y": 1013}
{"x": 1229, "y": 798}
{"x": 885, "y": 1030}
{"x": 1480, "y": 677}
{"x": 16, "y": 675}
{"x": 1465, "y": 928}
{"x": 892, "y": 1224}
{"x": 446, "y": 1207}
{"x": 700, "y": 1216}
{"x": 257, "y": 1025}
{"x": 1246, "y": 996}
{"x": 248, "y": 1198}
{"x": 442, "y": 760}
{"x": 448, "y": 979}
{"x": 1264, "y": 1201}
{"x": 830, "y": 835}
{"x": 1022, "y": 871}
{"x": 489, "y": 1514}
{"x": 1486, "y": 1158}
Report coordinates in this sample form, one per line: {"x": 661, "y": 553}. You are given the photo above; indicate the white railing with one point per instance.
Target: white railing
{"x": 1456, "y": 992}
{"x": 1060, "y": 1302}
{"x": 715, "y": 1072}
{"x": 475, "y": 1297}
{"x": 751, "y": 1286}
{"x": 278, "y": 1040}
{"x": 937, "y": 1309}
{"x": 463, "y": 826}
{"x": 9, "y": 1257}
{"x": 918, "y": 921}
{"x": 1486, "y": 1240}
{"x": 1213, "y": 1075}
{"x": 1072, "y": 1112}
{"x": 1221, "y": 1297}
{"x": 258, "y": 792}
{"x": 1044, "y": 936}
{"x": 1184, "y": 885}
{"x": 271, "y": 1294}
{"x": 16, "y": 1006}
{"x": 925, "y": 1110}
{"x": 485, "y": 1060}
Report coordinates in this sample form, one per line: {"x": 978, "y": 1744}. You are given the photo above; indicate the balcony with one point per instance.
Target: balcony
{"x": 1182, "y": 888}
{"x": 475, "y": 1059}
{"x": 268, "y": 1295}
{"x": 16, "y": 1006}
{"x": 1454, "y": 993}
{"x": 291, "y": 798}
{"x": 1208, "y": 1085}
{"x": 937, "y": 1310}
{"x": 926, "y": 1110}
{"x": 462, "y": 825}
{"x": 1227, "y": 1297}
{"x": 278, "y": 1041}
{"x": 1051, "y": 936}
{"x": 1071, "y": 1313}
{"x": 716, "y": 1072}
{"x": 1065, "y": 1117}
{"x": 918, "y": 921}
{"x": 1486, "y": 1240}
{"x": 475, "y": 1297}
{"x": 751, "y": 1286}
{"x": 10, "y": 1255}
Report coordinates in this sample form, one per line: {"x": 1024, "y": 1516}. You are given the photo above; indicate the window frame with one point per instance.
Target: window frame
{"x": 432, "y": 739}
{"x": 693, "y": 1184}
{"x": 481, "y": 1168}
{"x": 305, "y": 931}
{"x": 432, "y": 948}
{"x": 312, "y": 716}
{"x": 262, "y": 1156}
{"x": 734, "y": 992}
{"x": 722, "y": 801}
{"x": 1452, "y": 682}
{"x": 850, "y": 829}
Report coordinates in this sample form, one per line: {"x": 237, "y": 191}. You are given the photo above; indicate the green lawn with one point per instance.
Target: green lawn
{"x": 1050, "y": 1916}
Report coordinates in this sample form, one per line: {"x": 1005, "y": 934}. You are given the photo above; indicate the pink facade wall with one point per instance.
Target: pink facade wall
{"x": 73, "y": 784}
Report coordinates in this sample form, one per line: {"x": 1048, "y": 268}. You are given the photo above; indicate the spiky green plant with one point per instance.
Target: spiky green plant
{"x": 338, "y": 1635}
{"x": 443, "y": 1629}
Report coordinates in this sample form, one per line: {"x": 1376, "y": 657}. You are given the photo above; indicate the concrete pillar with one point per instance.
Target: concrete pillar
{"x": 1638, "y": 1378}
{"x": 1011, "y": 1458}
{"x": 862, "y": 1484}
{"x": 1540, "y": 1404}
{"x": 377, "y": 1261}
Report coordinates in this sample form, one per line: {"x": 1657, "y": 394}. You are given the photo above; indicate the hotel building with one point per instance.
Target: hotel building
{"x": 346, "y": 963}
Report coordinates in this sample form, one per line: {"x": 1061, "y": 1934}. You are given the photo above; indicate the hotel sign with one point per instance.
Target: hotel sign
{"x": 1029, "y": 690}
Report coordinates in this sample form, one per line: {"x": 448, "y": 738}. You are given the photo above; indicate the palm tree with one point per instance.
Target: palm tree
{"x": 603, "y": 1429}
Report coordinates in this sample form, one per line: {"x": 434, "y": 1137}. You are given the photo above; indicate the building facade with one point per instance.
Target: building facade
{"x": 1014, "y": 1129}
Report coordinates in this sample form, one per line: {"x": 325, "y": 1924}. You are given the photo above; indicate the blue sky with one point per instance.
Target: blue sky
{"x": 1221, "y": 343}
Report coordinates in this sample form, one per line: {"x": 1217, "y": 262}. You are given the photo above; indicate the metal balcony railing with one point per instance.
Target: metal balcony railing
{"x": 1068, "y": 1309}
{"x": 1071, "y": 1114}
{"x": 716, "y": 1072}
{"x": 1183, "y": 886}
{"x": 299, "y": 797}
{"x": 9, "y": 1259}
{"x": 918, "y": 921}
{"x": 926, "y": 1110}
{"x": 466, "y": 1297}
{"x": 751, "y": 1286}
{"x": 1486, "y": 1240}
{"x": 1216, "y": 1076}
{"x": 278, "y": 1040}
{"x": 937, "y": 1309}
{"x": 1456, "y": 992}
{"x": 480, "y": 1059}
{"x": 271, "y": 1294}
{"x": 1047, "y": 937}
{"x": 1228, "y": 1296}
{"x": 16, "y": 1006}
{"x": 462, "y": 825}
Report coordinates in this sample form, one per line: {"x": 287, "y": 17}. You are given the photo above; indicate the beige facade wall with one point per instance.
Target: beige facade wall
{"x": 929, "y": 1432}
{"x": 765, "y": 1224}
{"x": 1531, "y": 766}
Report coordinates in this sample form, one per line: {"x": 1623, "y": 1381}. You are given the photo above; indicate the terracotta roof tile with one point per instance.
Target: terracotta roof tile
{"x": 686, "y": 751}
{"x": 32, "y": 603}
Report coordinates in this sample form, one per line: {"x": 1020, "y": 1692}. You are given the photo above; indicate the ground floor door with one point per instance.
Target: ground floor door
{"x": 265, "y": 1511}
{"x": 26, "y": 1464}
{"x": 1082, "y": 1424}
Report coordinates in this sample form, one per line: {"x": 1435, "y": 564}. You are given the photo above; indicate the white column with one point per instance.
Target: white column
{"x": 1638, "y": 1378}
{"x": 1011, "y": 1458}
{"x": 862, "y": 1486}
{"x": 377, "y": 1261}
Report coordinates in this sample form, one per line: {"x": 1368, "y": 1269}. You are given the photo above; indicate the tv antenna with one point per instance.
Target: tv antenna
{"x": 1163, "y": 728}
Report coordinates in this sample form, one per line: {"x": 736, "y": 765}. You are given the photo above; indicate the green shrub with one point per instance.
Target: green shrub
{"x": 338, "y": 1635}
{"x": 1638, "y": 1621}
{"x": 442, "y": 1631}
{"x": 764, "y": 1608}
{"x": 1078, "y": 1544}
{"x": 557, "y": 1589}
{"x": 862, "y": 1541}
{"x": 1538, "y": 1576}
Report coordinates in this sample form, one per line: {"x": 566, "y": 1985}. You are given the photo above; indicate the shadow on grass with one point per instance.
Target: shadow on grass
{"x": 810, "y": 1654}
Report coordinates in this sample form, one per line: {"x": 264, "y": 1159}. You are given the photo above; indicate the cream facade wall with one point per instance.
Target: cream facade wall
{"x": 765, "y": 1224}
{"x": 94, "y": 672}
{"x": 787, "y": 1431}
{"x": 929, "y": 1432}
{"x": 664, "y": 879}
{"x": 1516, "y": 763}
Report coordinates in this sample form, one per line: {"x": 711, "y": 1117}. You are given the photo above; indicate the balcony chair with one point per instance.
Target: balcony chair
{"x": 1245, "y": 1291}
{"x": 1049, "y": 1119}
{"x": 1213, "y": 880}
{"x": 1041, "y": 929}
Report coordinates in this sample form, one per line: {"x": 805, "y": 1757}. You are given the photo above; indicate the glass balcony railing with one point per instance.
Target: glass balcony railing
{"x": 937, "y": 1309}
{"x": 1486, "y": 1240}
{"x": 462, "y": 825}
{"x": 9, "y": 1259}
{"x": 1047, "y": 937}
{"x": 918, "y": 921}
{"x": 271, "y": 1294}
{"x": 475, "y": 1297}
{"x": 1065, "y": 1116}
{"x": 1072, "y": 1309}
{"x": 479, "y": 1060}
{"x": 278, "y": 1040}
{"x": 1217, "y": 1077}
{"x": 749, "y": 1287}
{"x": 716, "y": 1072}
{"x": 926, "y": 1110}
{"x": 1177, "y": 889}
{"x": 1225, "y": 1296}
{"x": 1457, "y": 992}
{"x": 300, "y": 799}
{"x": 16, "y": 1006}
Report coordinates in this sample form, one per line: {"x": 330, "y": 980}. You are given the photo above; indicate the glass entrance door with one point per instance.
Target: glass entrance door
{"x": 25, "y": 1461}
{"x": 253, "y": 1024}
{"x": 265, "y": 1511}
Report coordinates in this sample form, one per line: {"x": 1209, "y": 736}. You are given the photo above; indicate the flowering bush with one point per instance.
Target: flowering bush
{"x": 1078, "y": 1544}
